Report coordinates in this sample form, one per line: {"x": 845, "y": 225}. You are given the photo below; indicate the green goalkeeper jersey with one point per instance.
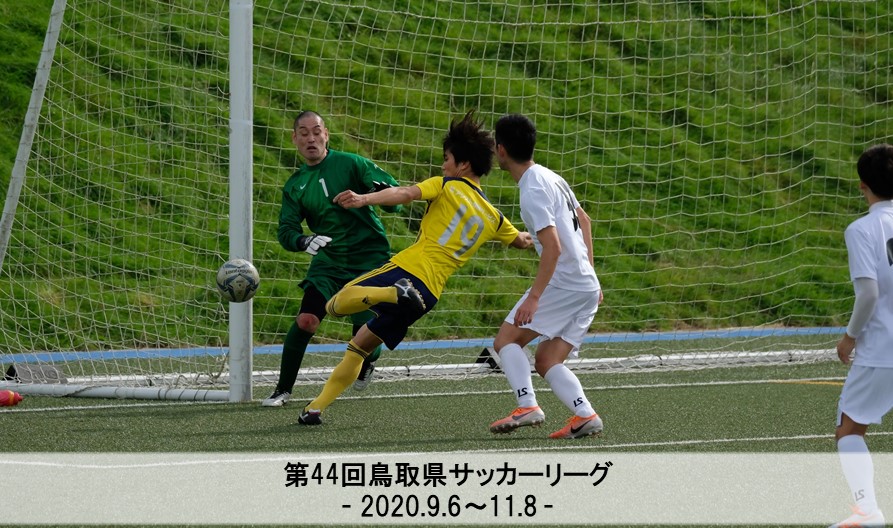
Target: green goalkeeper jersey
{"x": 358, "y": 237}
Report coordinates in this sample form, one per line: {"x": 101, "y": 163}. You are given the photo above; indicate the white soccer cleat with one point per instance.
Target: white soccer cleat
{"x": 277, "y": 399}
{"x": 365, "y": 377}
{"x": 861, "y": 519}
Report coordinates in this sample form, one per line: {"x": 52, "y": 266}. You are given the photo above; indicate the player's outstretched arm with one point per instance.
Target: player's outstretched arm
{"x": 586, "y": 227}
{"x": 522, "y": 241}
{"x": 391, "y": 196}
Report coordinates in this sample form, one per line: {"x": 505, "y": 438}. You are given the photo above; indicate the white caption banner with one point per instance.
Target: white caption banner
{"x": 429, "y": 488}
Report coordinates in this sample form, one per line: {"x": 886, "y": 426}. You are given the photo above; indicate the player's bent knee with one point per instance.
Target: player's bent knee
{"x": 504, "y": 338}
{"x": 330, "y": 308}
{"x": 543, "y": 365}
{"x": 500, "y": 343}
{"x": 849, "y": 427}
{"x": 308, "y": 322}
{"x": 843, "y": 431}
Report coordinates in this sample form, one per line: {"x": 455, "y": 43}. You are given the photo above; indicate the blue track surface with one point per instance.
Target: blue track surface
{"x": 625, "y": 337}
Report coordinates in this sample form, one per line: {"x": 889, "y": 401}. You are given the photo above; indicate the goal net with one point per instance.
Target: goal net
{"x": 712, "y": 143}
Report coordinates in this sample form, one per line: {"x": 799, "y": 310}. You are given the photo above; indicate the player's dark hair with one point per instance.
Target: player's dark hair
{"x": 304, "y": 114}
{"x": 468, "y": 141}
{"x": 875, "y": 167}
{"x": 517, "y": 135}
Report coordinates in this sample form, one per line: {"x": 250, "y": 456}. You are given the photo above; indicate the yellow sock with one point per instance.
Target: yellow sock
{"x": 356, "y": 299}
{"x": 342, "y": 376}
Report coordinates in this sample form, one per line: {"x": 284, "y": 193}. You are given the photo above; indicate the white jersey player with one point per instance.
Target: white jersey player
{"x": 564, "y": 296}
{"x": 867, "y": 393}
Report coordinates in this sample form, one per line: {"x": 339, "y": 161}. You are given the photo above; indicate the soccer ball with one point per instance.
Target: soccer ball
{"x": 237, "y": 280}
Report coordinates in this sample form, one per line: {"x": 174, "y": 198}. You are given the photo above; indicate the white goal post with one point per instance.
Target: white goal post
{"x": 713, "y": 145}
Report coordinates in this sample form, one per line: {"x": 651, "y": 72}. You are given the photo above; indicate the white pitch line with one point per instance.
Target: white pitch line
{"x": 109, "y": 406}
{"x": 317, "y": 456}
{"x": 441, "y": 394}
{"x": 581, "y": 444}
{"x": 605, "y": 388}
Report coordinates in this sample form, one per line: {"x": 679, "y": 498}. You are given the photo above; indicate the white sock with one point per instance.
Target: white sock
{"x": 568, "y": 389}
{"x": 858, "y": 469}
{"x": 516, "y": 366}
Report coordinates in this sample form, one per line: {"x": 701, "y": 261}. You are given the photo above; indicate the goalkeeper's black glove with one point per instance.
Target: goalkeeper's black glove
{"x": 313, "y": 243}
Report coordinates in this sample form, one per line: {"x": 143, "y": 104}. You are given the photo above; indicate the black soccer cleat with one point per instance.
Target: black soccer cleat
{"x": 408, "y": 297}
{"x": 310, "y": 417}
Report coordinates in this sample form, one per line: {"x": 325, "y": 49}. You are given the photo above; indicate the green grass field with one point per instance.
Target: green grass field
{"x": 782, "y": 408}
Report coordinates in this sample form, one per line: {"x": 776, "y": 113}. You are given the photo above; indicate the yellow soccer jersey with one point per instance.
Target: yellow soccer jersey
{"x": 458, "y": 221}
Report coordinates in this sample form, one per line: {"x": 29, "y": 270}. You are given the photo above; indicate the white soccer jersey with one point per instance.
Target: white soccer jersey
{"x": 547, "y": 200}
{"x": 869, "y": 243}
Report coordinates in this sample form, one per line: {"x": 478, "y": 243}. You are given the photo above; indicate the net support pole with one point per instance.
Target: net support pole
{"x": 17, "y": 178}
{"x": 241, "y": 188}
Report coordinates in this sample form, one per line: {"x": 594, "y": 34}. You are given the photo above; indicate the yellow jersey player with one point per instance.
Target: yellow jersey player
{"x": 459, "y": 220}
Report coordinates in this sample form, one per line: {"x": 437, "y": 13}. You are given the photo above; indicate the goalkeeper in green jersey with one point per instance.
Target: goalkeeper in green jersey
{"x": 344, "y": 243}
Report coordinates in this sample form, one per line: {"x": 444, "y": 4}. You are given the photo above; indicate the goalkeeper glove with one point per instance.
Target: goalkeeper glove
{"x": 313, "y": 243}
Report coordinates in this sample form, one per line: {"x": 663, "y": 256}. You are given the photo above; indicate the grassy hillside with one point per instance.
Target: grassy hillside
{"x": 713, "y": 144}
{"x": 22, "y": 37}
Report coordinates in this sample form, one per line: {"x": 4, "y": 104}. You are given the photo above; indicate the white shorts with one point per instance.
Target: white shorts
{"x": 564, "y": 314}
{"x": 867, "y": 394}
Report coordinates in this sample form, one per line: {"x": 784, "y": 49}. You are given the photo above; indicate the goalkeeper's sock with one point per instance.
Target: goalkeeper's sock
{"x": 341, "y": 378}
{"x": 356, "y": 299}
{"x": 293, "y": 349}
